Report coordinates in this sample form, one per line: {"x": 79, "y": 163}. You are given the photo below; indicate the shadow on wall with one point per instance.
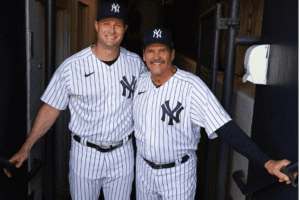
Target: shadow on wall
{"x": 132, "y": 38}
{"x": 143, "y": 15}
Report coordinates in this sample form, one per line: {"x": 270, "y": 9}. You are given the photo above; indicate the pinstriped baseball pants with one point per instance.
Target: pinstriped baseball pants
{"x": 90, "y": 170}
{"x": 176, "y": 183}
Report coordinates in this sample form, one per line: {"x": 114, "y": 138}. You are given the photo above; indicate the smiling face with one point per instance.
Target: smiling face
{"x": 110, "y": 32}
{"x": 158, "y": 58}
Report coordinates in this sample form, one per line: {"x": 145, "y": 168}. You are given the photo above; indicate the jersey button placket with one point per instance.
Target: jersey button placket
{"x": 148, "y": 116}
{"x": 153, "y": 133}
{"x": 111, "y": 74}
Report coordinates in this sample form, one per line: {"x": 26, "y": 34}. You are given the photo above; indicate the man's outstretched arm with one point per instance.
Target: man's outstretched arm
{"x": 242, "y": 143}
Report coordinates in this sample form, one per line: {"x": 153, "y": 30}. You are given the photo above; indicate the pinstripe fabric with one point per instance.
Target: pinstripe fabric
{"x": 100, "y": 111}
{"x": 160, "y": 142}
{"x": 100, "y": 101}
{"x": 176, "y": 183}
{"x": 167, "y": 124}
{"x": 91, "y": 169}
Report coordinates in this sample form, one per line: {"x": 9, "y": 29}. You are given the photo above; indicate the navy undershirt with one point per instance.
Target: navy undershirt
{"x": 110, "y": 63}
{"x": 237, "y": 139}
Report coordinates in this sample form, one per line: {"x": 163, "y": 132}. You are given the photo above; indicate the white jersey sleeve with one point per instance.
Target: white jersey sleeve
{"x": 57, "y": 93}
{"x": 206, "y": 110}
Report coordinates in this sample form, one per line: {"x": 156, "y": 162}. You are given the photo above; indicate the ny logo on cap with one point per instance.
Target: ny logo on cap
{"x": 157, "y": 33}
{"x": 115, "y": 7}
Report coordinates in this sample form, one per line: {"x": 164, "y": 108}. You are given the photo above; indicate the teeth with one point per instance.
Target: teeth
{"x": 111, "y": 37}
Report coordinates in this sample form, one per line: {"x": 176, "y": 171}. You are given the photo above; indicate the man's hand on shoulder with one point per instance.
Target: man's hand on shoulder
{"x": 273, "y": 167}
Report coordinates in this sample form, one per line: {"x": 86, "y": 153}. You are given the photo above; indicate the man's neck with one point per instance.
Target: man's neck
{"x": 163, "y": 78}
{"x": 106, "y": 54}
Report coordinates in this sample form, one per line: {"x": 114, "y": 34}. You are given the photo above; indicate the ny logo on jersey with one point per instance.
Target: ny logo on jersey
{"x": 128, "y": 86}
{"x": 157, "y": 33}
{"x": 166, "y": 110}
{"x": 115, "y": 7}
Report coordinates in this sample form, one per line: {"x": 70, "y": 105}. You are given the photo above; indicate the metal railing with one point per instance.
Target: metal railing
{"x": 208, "y": 49}
{"x": 27, "y": 177}
{"x": 265, "y": 181}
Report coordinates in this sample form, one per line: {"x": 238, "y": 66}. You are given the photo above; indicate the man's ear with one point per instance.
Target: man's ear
{"x": 173, "y": 54}
{"x": 126, "y": 26}
{"x": 96, "y": 26}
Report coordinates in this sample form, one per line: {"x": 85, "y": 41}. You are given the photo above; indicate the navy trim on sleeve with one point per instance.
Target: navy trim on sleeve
{"x": 236, "y": 138}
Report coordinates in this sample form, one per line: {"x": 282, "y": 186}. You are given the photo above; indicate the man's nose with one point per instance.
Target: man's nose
{"x": 112, "y": 29}
{"x": 156, "y": 55}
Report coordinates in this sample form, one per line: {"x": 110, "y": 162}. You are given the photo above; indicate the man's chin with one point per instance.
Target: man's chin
{"x": 156, "y": 73}
{"x": 112, "y": 46}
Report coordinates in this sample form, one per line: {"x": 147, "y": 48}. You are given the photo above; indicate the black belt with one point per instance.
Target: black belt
{"x": 103, "y": 150}
{"x": 156, "y": 166}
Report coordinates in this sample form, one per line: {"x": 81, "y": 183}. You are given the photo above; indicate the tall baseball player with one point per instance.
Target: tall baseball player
{"x": 97, "y": 84}
{"x": 170, "y": 105}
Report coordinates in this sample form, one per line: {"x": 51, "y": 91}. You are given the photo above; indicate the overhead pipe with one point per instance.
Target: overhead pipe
{"x": 247, "y": 40}
{"x": 232, "y": 31}
{"x": 49, "y": 71}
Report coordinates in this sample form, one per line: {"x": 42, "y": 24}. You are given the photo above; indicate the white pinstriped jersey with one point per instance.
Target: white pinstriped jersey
{"x": 167, "y": 119}
{"x": 99, "y": 96}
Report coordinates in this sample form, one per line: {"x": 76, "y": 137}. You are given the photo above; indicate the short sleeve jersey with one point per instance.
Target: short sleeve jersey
{"x": 167, "y": 119}
{"x": 99, "y": 96}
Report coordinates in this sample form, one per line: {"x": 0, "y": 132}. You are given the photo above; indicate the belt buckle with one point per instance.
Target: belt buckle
{"x": 160, "y": 165}
{"x": 109, "y": 148}
{"x": 104, "y": 147}
{"x": 178, "y": 162}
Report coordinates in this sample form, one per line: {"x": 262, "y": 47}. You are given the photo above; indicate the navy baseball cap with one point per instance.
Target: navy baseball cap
{"x": 158, "y": 35}
{"x": 112, "y": 9}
